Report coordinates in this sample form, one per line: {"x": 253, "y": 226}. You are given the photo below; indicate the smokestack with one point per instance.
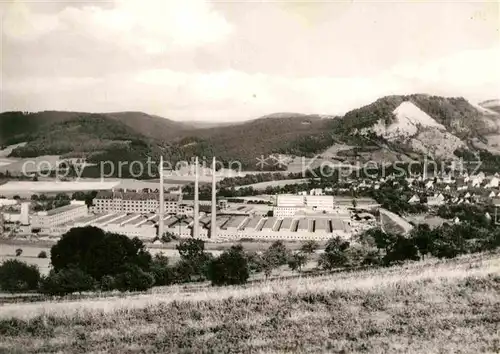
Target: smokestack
{"x": 424, "y": 174}
{"x": 161, "y": 201}
{"x": 196, "y": 202}
{"x": 213, "y": 224}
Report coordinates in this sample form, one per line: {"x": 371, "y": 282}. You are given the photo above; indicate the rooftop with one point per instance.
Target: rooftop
{"x": 135, "y": 196}
{"x": 235, "y": 221}
{"x": 63, "y": 209}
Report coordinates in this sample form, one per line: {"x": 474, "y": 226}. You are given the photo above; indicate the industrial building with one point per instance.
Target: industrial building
{"x": 272, "y": 228}
{"x": 133, "y": 202}
{"x": 291, "y": 205}
{"x": 46, "y": 220}
{"x": 295, "y": 217}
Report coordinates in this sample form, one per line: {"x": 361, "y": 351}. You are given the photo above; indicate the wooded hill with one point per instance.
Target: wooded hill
{"x": 134, "y": 135}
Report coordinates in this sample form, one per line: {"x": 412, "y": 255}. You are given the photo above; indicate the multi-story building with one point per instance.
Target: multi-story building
{"x": 289, "y": 205}
{"x": 319, "y": 202}
{"x": 132, "y": 202}
{"x": 58, "y": 216}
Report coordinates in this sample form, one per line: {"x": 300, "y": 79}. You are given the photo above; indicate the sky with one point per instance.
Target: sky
{"x": 234, "y": 60}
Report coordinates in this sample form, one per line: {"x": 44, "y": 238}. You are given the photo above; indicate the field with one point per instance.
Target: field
{"x": 28, "y": 165}
{"x": 392, "y": 222}
{"x": 280, "y": 183}
{"x": 425, "y": 307}
{"x": 52, "y": 186}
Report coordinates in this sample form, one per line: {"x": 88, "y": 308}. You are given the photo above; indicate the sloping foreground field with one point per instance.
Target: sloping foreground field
{"x": 427, "y": 307}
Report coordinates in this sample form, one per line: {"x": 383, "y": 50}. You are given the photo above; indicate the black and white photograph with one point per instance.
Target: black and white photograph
{"x": 249, "y": 176}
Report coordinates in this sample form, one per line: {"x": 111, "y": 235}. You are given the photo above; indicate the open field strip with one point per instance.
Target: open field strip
{"x": 477, "y": 266}
{"x": 427, "y": 307}
{"x": 278, "y": 183}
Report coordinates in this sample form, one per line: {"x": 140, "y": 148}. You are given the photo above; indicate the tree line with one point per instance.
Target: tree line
{"x": 89, "y": 259}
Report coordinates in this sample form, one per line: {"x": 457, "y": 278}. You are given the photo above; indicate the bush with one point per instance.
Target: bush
{"x": 403, "y": 249}
{"x": 309, "y": 247}
{"x": 194, "y": 260}
{"x": 133, "y": 278}
{"x": 335, "y": 255}
{"x": 297, "y": 261}
{"x": 168, "y": 237}
{"x": 16, "y": 276}
{"x": 19, "y": 252}
{"x": 42, "y": 254}
{"x": 66, "y": 281}
{"x": 230, "y": 268}
{"x": 162, "y": 272}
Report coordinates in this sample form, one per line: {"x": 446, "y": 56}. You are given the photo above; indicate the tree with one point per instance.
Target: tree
{"x": 182, "y": 271}
{"x": 297, "y": 261}
{"x": 255, "y": 262}
{"x": 230, "y": 268}
{"x": 19, "y": 252}
{"x": 354, "y": 203}
{"x": 448, "y": 243}
{"x": 168, "y": 237}
{"x": 108, "y": 283}
{"x": 195, "y": 260}
{"x": 89, "y": 198}
{"x": 34, "y": 197}
{"x": 42, "y": 254}
{"x": 309, "y": 247}
{"x": 62, "y": 196}
{"x": 162, "y": 272}
{"x": 133, "y": 278}
{"x": 276, "y": 255}
{"x": 16, "y": 276}
{"x": 423, "y": 238}
{"x": 78, "y": 195}
{"x": 98, "y": 253}
{"x": 401, "y": 250}
{"x": 335, "y": 254}
{"x": 383, "y": 240}
{"x": 66, "y": 281}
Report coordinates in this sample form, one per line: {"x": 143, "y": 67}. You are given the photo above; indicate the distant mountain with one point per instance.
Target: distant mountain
{"x": 246, "y": 142}
{"x": 409, "y": 126}
{"x": 151, "y": 126}
{"x": 491, "y": 105}
{"x": 121, "y": 135}
{"x": 194, "y": 124}
{"x": 414, "y": 130}
{"x": 19, "y": 126}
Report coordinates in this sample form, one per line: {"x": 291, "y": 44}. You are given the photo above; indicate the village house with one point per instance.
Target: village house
{"x": 414, "y": 199}
{"x": 493, "y": 182}
{"x": 435, "y": 200}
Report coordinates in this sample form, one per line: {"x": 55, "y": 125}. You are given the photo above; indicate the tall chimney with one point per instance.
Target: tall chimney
{"x": 161, "y": 201}
{"x": 213, "y": 223}
{"x": 424, "y": 174}
{"x": 196, "y": 224}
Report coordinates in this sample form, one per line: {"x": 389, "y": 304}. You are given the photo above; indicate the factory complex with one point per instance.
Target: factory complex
{"x": 229, "y": 226}
{"x": 140, "y": 214}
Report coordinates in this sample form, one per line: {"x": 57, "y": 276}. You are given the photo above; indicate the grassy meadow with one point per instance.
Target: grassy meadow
{"x": 424, "y": 307}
